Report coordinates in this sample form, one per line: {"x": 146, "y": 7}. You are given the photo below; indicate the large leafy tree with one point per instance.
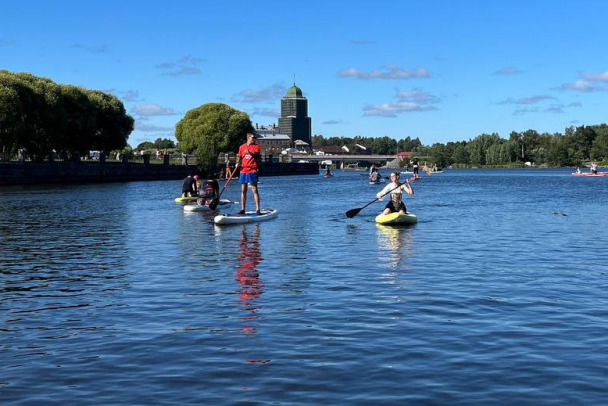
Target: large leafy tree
{"x": 211, "y": 129}
{"x": 164, "y": 143}
{"x": 11, "y": 118}
{"x": 113, "y": 123}
{"x": 39, "y": 115}
{"x": 81, "y": 120}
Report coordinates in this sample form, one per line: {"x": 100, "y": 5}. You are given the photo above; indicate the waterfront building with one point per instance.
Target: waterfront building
{"x": 271, "y": 141}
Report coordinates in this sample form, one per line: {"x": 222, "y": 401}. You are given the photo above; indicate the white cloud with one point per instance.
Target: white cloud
{"x": 151, "y": 128}
{"x": 151, "y": 109}
{"x": 393, "y": 109}
{"x": 385, "y": 72}
{"x": 528, "y": 100}
{"x": 417, "y": 96}
{"x": 596, "y": 77}
{"x": 266, "y": 112}
{"x": 269, "y": 93}
{"x": 185, "y": 66}
{"x": 130, "y": 95}
{"x": 414, "y": 100}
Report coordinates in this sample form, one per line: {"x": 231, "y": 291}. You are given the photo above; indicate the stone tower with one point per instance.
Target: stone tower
{"x": 294, "y": 120}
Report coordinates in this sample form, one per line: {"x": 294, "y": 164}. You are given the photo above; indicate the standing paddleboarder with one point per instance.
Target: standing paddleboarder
{"x": 248, "y": 159}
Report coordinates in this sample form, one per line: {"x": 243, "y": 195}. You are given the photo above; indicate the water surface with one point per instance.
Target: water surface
{"x": 111, "y": 294}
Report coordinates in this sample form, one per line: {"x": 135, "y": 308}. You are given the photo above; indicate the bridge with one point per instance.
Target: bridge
{"x": 343, "y": 158}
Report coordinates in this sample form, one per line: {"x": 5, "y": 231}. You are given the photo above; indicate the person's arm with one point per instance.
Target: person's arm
{"x": 408, "y": 188}
{"x": 257, "y": 152}
{"x": 380, "y": 194}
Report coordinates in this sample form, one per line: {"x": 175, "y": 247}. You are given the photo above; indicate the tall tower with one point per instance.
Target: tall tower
{"x": 294, "y": 120}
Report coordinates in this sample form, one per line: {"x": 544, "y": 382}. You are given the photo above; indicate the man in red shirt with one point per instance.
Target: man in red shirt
{"x": 248, "y": 157}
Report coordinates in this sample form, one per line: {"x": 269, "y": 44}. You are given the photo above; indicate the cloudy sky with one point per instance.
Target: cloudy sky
{"x": 437, "y": 70}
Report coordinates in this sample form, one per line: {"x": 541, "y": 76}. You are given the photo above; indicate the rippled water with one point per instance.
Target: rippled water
{"x": 111, "y": 294}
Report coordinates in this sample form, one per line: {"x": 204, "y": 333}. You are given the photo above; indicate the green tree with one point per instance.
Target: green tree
{"x": 211, "y": 129}
{"x": 146, "y": 145}
{"x": 81, "y": 123}
{"x": 11, "y": 116}
{"x": 47, "y": 115}
{"x": 113, "y": 123}
{"x": 164, "y": 143}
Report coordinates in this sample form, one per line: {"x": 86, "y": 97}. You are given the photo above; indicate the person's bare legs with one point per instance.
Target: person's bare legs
{"x": 243, "y": 195}
{"x": 256, "y": 196}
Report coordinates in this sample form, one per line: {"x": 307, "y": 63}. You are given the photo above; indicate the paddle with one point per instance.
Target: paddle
{"x": 216, "y": 201}
{"x": 353, "y": 212}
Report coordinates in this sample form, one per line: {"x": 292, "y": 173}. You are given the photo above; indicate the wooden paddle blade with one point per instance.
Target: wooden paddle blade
{"x": 214, "y": 203}
{"x": 352, "y": 213}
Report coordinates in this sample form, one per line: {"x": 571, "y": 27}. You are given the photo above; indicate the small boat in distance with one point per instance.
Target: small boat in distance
{"x": 589, "y": 174}
{"x": 354, "y": 167}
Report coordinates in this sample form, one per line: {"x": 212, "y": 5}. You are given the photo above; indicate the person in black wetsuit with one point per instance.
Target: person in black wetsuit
{"x": 189, "y": 186}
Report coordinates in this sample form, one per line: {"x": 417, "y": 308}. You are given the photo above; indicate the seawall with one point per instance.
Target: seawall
{"x": 28, "y": 173}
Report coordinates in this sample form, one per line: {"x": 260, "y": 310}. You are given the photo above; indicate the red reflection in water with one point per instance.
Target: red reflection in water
{"x": 247, "y": 274}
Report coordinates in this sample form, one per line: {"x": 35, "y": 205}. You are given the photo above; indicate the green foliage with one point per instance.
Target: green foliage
{"x": 211, "y": 129}
{"x": 38, "y": 115}
{"x": 164, "y": 143}
{"x": 576, "y": 146}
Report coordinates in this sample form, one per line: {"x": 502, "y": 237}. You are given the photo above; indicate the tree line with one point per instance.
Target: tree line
{"x": 576, "y": 146}
{"x": 42, "y": 117}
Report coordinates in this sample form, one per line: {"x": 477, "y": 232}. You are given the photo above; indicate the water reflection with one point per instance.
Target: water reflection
{"x": 394, "y": 243}
{"x": 247, "y": 275}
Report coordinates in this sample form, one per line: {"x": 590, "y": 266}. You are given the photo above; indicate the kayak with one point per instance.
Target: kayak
{"x": 248, "y": 217}
{"x": 593, "y": 175}
{"x": 371, "y": 182}
{"x": 396, "y": 219}
{"x": 202, "y": 207}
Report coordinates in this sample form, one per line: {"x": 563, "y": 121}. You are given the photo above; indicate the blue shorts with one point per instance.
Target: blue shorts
{"x": 248, "y": 177}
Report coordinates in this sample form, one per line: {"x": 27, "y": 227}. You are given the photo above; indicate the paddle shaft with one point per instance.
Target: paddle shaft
{"x": 216, "y": 201}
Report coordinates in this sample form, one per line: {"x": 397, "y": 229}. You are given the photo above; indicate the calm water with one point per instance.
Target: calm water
{"x": 111, "y": 294}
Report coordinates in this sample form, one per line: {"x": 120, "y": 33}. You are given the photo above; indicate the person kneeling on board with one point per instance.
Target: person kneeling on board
{"x": 396, "y": 190}
{"x": 189, "y": 187}
{"x": 209, "y": 190}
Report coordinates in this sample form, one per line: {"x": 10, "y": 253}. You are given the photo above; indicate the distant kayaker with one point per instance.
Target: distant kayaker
{"x": 328, "y": 173}
{"x": 247, "y": 158}
{"x": 396, "y": 190}
{"x": 594, "y": 168}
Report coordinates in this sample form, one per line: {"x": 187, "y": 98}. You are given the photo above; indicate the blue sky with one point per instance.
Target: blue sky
{"x": 437, "y": 70}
